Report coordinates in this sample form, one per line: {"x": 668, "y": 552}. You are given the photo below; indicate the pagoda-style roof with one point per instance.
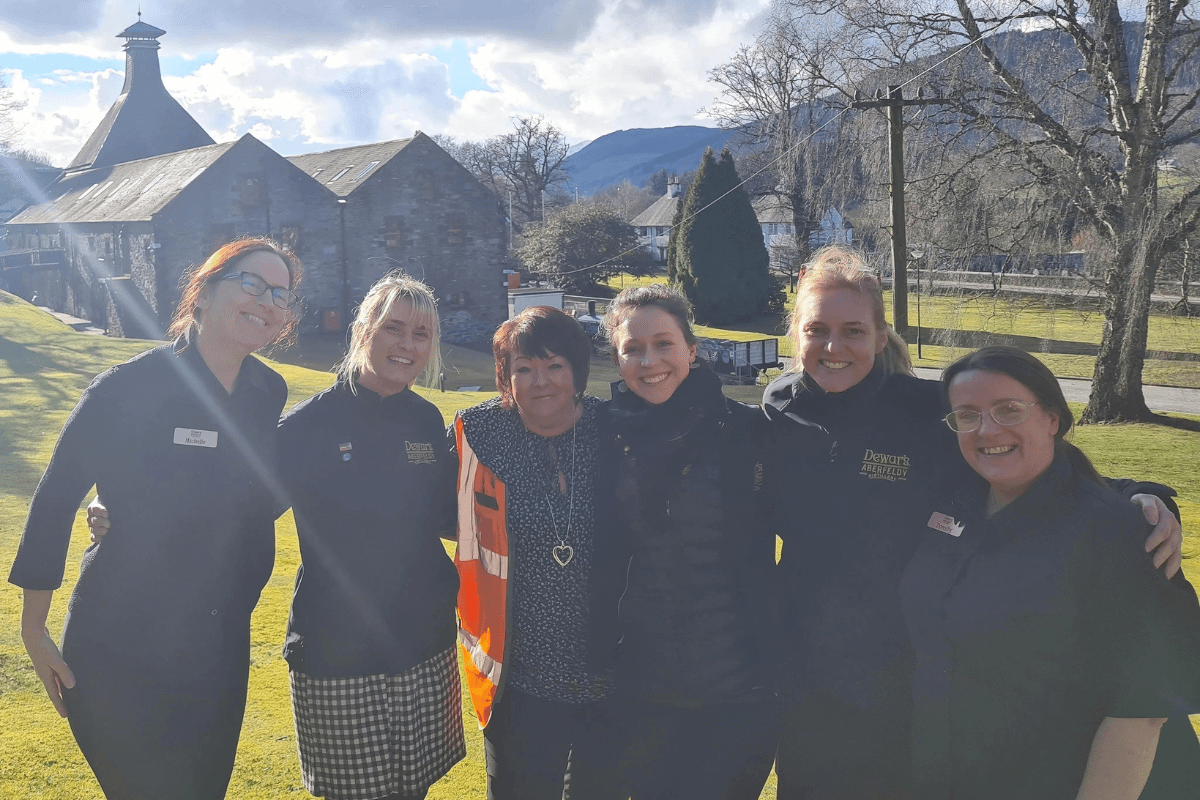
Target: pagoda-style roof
{"x": 141, "y": 30}
{"x": 145, "y": 120}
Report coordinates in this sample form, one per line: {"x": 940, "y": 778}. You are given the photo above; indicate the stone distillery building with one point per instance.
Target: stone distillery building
{"x": 151, "y": 194}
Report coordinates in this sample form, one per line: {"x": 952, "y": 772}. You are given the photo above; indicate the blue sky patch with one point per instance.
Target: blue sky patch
{"x": 462, "y": 76}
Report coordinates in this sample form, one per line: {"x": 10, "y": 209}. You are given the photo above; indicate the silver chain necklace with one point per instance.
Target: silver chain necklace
{"x": 562, "y": 553}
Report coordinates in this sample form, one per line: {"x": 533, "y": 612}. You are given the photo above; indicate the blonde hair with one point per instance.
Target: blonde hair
{"x": 375, "y": 310}
{"x": 840, "y": 267}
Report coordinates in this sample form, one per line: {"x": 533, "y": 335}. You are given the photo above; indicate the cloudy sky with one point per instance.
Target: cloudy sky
{"x": 330, "y": 73}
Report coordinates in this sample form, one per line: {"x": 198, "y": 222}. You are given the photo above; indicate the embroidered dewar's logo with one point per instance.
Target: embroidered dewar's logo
{"x": 420, "y": 453}
{"x": 884, "y": 467}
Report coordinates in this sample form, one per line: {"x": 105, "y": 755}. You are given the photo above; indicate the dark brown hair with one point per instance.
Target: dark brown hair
{"x": 1037, "y": 378}
{"x": 670, "y": 300}
{"x": 196, "y": 280}
{"x": 540, "y": 332}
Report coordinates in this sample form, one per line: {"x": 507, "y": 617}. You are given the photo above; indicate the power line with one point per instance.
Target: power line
{"x": 786, "y": 154}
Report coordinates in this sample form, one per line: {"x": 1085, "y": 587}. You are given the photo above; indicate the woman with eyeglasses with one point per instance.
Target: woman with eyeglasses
{"x": 1049, "y": 653}
{"x": 181, "y": 442}
{"x": 860, "y": 448}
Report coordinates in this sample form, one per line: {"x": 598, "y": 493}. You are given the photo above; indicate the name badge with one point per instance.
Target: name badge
{"x": 945, "y": 524}
{"x": 195, "y": 438}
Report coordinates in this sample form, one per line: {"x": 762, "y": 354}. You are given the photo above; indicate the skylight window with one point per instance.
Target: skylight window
{"x": 193, "y": 176}
{"x": 151, "y": 184}
{"x": 91, "y": 189}
{"x": 120, "y": 186}
{"x": 317, "y": 172}
{"x": 340, "y": 174}
{"x": 96, "y": 196}
{"x": 366, "y": 169}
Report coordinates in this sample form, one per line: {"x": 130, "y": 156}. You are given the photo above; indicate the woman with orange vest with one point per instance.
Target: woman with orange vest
{"x": 535, "y": 593}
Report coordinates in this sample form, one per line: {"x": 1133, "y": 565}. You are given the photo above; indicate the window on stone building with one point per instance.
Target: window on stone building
{"x": 366, "y": 170}
{"x": 317, "y": 172}
{"x": 152, "y": 183}
{"x": 251, "y": 193}
{"x": 393, "y": 228}
{"x": 289, "y": 237}
{"x": 218, "y": 235}
{"x": 425, "y": 188}
{"x": 341, "y": 173}
{"x": 457, "y": 299}
{"x": 454, "y": 233}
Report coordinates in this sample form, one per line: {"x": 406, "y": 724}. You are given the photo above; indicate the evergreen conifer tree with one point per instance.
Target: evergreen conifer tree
{"x": 717, "y": 256}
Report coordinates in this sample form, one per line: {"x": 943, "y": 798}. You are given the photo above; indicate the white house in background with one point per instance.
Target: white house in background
{"x": 774, "y": 213}
{"x": 653, "y": 225}
{"x": 833, "y": 229}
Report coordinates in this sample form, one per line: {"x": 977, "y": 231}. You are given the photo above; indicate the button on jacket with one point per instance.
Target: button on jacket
{"x": 184, "y": 468}
{"x": 1031, "y": 627}
{"x": 372, "y": 490}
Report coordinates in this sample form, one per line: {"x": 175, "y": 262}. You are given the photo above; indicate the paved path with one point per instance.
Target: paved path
{"x": 1159, "y": 398}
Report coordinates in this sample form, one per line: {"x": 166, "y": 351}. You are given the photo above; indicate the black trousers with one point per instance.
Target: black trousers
{"x": 833, "y": 750}
{"x": 544, "y": 750}
{"x": 716, "y": 752}
{"x": 155, "y": 731}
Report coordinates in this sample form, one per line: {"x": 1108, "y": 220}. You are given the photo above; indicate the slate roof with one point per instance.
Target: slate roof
{"x": 128, "y": 192}
{"x": 661, "y": 213}
{"x": 145, "y": 120}
{"x": 342, "y": 171}
{"x": 772, "y": 208}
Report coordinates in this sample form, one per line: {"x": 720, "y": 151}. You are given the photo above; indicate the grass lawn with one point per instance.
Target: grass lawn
{"x": 979, "y": 313}
{"x": 43, "y": 368}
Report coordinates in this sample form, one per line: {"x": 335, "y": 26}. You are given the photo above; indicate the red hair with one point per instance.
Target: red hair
{"x": 196, "y": 280}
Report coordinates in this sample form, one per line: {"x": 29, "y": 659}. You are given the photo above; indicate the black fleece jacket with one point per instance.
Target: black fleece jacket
{"x": 696, "y": 615}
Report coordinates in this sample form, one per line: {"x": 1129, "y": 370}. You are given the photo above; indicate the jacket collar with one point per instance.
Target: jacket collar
{"x": 250, "y": 374}
{"x": 798, "y": 396}
{"x": 698, "y": 396}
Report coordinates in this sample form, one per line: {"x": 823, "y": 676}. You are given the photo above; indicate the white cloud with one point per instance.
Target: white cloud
{"x": 624, "y": 64}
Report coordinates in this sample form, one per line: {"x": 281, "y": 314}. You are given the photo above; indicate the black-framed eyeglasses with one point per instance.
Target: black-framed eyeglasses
{"x": 1006, "y": 412}
{"x": 254, "y": 285}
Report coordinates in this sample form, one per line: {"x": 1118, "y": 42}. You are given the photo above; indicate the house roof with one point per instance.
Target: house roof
{"x": 145, "y": 120}
{"x": 128, "y": 192}
{"x": 342, "y": 171}
{"x": 772, "y": 208}
{"x": 661, "y": 213}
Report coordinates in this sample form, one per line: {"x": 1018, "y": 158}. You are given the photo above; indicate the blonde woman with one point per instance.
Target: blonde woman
{"x": 370, "y": 642}
{"x": 863, "y": 440}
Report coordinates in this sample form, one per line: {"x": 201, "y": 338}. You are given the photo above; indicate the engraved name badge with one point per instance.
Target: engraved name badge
{"x": 945, "y": 524}
{"x": 195, "y": 438}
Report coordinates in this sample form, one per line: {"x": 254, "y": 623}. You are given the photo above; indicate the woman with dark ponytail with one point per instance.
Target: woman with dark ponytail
{"x": 1049, "y": 652}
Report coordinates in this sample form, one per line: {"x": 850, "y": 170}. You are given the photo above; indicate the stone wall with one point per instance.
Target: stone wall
{"x": 423, "y": 212}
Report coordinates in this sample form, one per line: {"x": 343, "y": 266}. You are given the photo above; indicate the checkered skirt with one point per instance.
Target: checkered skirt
{"x": 367, "y": 737}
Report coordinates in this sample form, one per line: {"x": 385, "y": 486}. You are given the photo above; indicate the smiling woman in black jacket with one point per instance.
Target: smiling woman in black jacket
{"x": 858, "y": 452}
{"x": 694, "y": 665}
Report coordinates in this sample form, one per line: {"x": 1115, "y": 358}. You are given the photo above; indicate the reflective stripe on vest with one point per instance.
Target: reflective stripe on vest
{"x": 482, "y": 562}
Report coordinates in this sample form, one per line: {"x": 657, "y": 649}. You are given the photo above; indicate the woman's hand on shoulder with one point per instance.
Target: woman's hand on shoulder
{"x": 1166, "y": 540}
{"x": 97, "y": 520}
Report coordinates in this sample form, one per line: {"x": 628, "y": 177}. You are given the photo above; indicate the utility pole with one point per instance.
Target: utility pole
{"x": 893, "y": 103}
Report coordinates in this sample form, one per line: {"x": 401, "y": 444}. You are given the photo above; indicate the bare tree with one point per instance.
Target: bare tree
{"x": 1083, "y": 119}
{"x": 523, "y": 163}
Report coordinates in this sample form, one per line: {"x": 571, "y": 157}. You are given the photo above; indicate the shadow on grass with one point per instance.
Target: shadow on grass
{"x": 1179, "y": 423}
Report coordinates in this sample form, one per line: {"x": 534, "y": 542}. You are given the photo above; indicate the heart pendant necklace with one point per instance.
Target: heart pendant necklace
{"x": 562, "y": 553}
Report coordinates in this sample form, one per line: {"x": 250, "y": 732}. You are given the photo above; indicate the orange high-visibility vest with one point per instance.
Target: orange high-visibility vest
{"x": 482, "y": 562}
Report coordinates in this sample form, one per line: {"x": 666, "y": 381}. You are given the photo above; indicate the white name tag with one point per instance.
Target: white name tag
{"x": 195, "y": 438}
{"x": 945, "y": 524}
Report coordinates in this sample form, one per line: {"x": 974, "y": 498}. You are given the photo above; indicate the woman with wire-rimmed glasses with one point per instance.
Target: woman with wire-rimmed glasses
{"x": 181, "y": 442}
{"x": 860, "y": 448}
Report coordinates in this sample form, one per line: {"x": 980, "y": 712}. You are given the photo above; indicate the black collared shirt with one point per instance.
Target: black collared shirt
{"x": 372, "y": 490}
{"x": 1030, "y": 628}
{"x": 185, "y": 469}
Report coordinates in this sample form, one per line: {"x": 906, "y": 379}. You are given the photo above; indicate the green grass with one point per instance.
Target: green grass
{"x": 977, "y": 313}
{"x": 43, "y": 368}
